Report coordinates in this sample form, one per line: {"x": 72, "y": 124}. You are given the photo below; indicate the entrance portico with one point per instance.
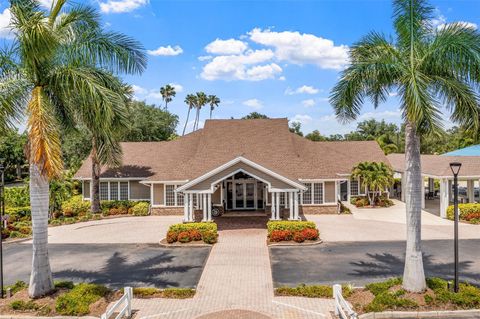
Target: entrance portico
{"x": 241, "y": 185}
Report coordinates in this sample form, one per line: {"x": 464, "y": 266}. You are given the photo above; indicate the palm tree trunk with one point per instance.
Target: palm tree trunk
{"x": 414, "y": 275}
{"x": 95, "y": 204}
{"x": 41, "y": 280}
{"x": 211, "y": 110}
{"x": 186, "y": 121}
{"x": 195, "y": 125}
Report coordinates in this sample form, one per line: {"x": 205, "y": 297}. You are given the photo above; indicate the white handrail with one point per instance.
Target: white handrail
{"x": 125, "y": 302}
{"x": 342, "y": 307}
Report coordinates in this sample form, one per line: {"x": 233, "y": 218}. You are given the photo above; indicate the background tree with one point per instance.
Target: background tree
{"x": 254, "y": 115}
{"x": 12, "y": 153}
{"x": 213, "y": 101}
{"x": 61, "y": 55}
{"x": 296, "y": 127}
{"x": 315, "y": 136}
{"x": 168, "y": 93}
{"x": 376, "y": 177}
{"x": 429, "y": 67}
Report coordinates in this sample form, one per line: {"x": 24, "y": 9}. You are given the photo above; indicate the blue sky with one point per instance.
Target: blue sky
{"x": 280, "y": 58}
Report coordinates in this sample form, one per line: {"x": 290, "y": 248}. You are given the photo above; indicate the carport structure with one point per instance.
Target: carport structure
{"x": 437, "y": 168}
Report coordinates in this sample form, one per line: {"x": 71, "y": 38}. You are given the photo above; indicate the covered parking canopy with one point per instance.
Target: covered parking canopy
{"x": 437, "y": 167}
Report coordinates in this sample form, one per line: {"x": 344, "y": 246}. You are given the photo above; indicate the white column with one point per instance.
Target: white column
{"x": 470, "y": 191}
{"x": 273, "y": 206}
{"x": 290, "y": 203}
{"x": 443, "y": 198}
{"x": 209, "y": 207}
{"x": 423, "y": 193}
{"x": 277, "y": 209}
{"x": 198, "y": 201}
{"x": 348, "y": 191}
{"x": 295, "y": 206}
{"x": 204, "y": 205}
{"x": 404, "y": 186}
{"x": 185, "y": 207}
{"x": 191, "y": 210}
{"x": 450, "y": 191}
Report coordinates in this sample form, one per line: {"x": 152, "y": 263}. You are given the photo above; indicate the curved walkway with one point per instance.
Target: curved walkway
{"x": 237, "y": 276}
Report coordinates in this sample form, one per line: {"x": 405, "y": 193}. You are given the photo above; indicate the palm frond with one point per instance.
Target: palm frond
{"x": 14, "y": 94}
{"x": 410, "y": 21}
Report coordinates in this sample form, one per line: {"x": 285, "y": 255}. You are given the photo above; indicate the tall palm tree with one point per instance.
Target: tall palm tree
{"x": 213, "y": 101}
{"x": 201, "y": 101}
{"x": 191, "y": 101}
{"x": 375, "y": 177}
{"x": 62, "y": 57}
{"x": 168, "y": 93}
{"x": 429, "y": 67}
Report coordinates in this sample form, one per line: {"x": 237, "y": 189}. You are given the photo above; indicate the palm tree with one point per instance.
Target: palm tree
{"x": 214, "y": 101}
{"x": 191, "y": 101}
{"x": 62, "y": 57}
{"x": 202, "y": 100}
{"x": 168, "y": 93}
{"x": 429, "y": 67}
{"x": 376, "y": 177}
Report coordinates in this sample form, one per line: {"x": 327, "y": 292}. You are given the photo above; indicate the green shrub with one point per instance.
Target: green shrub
{"x": 201, "y": 227}
{"x": 437, "y": 283}
{"x": 140, "y": 209}
{"x": 55, "y": 222}
{"x": 17, "y": 214}
{"x": 314, "y": 291}
{"x": 209, "y": 237}
{"x": 64, "y": 284}
{"x": 380, "y": 287}
{"x": 16, "y": 287}
{"x": 24, "y": 305}
{"x": 463, "y": 210}
{"x": 184, "y": 237}
{"x": 75, "y": 206}
{"x": 17, "y": 234}
{"x": 77, "y": 301}
{"x": 145, "y": 291}
{"x": 17, "y": 196}
{"x": 208, "y": 231}
{"x": 178, "y": 293}
{"x": 391, "y": 301}
{"x": 292, "y": 226}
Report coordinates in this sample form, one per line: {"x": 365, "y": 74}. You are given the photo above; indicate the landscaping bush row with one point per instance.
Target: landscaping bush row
{"x": 467, "y": 212}
{"x": 76, "y": 206}
{"x": 172, "y": 293}
{"x": 185, "y": 233}
{"x": 313, "y": 291}
{"x": 298, "y": 231}
{"x": 362, "y": 201}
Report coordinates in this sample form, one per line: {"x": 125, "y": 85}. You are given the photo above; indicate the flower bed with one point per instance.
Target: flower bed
{"x": 298, "y": 231}
{"x": 186, "y": 233}
{"x": 390, "y": 296}
{"x": 362, "y": 201}
{"x": 469, "y": 213}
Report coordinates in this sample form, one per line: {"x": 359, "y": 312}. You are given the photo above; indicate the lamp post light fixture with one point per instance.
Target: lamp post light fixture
{"x": 455, "y": 167}
{"x": 2, "y": 214}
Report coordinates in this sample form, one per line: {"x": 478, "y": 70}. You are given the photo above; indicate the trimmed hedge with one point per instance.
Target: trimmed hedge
{"x": 314, "y": 291}
{"x": 468, "y": 212}
{"x": 292, "y": 226}
{"x": 186, "y": 233}
{"x": 140, "y": 209}
{"x": 75, "y": 206}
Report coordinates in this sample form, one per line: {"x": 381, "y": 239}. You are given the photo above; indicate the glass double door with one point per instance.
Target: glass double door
{"x": 244, "y": 195}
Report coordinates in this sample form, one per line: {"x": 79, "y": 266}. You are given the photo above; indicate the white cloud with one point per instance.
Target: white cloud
{"x": 253, "y": 103}
{"x": 138, "y": 90}
{"x": 308, "y": 103}
{"x": 166, "y": 51}
{"x": 5, "y": 31}
{"x": 245, "y": 66}
{"x": 466, "y": 24}
{"x": 305, "y": 89}
{"x": 380, "y": 115}
{"x": 302, "y": 48}
{"x": 205, "y": 58}
{"x": 46, "y": 3}
{"x": 301, "y": 118}
{"x": 178, "y": 88}
{"x": 227, "y": 47}
{"x": 120, "y": 6}
{"x": 141, "y": 93}
{"x": 282, "y": 78}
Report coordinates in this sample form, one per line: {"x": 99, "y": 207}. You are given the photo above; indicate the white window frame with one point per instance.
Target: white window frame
{"x": 175, "y": 193}
{"x": 360, "y": 188}
{"x": 312, "y": 201}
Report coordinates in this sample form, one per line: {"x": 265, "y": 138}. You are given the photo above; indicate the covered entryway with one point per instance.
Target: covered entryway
{"x": 241, "y": 185}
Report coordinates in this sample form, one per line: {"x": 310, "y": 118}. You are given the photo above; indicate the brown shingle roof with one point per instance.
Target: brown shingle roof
{"x": 267, "y": 142}
{"x": 439, "y": 165}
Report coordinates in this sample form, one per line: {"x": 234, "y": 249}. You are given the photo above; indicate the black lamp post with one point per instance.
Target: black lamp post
{"x": 2, "y": 213}
{"x": 455, "y": 167}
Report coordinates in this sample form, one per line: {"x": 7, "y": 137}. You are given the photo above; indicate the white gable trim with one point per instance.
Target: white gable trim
{"x": 236, "y": 161}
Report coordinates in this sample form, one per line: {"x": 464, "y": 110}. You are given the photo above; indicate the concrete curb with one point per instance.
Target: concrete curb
{"x": 19, "y": 240}
{"x": 163, "y": 243}
{"x": 318, "y": 242}
{"x": 470, "y": 314}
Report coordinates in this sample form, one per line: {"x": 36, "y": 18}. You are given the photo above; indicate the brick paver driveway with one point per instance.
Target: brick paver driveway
{"x": 236, "y": 282}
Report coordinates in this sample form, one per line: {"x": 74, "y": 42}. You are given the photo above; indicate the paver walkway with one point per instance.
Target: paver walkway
{"x": 237, "y": 276}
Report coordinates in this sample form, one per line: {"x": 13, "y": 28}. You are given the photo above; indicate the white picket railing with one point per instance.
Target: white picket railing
{"x": 123, "y": 306}
{"x": 342, "y": 308}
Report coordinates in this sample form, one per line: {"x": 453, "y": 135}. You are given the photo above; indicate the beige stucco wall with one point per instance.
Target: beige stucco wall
{"x": 158, "y": 194}
{"x": 139, "y": 191}
{"x": 216, "y": 197}
{"x": 86, "y": 189}
{"x": 204, "y": 185}
{"x": 329, "y": 192}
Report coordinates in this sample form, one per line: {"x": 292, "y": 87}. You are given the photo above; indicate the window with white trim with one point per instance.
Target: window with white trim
{"x": 283, "y": 200}
{"x": 123, "y": 190}
{"x": 113, "y": 190}
{"x": 180, "y": 198}
{"x": 103, "y": 191}
{"x": 307, "y": 195}
{"x": 318, "y": 193}
{"x": 169, "y": 195}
